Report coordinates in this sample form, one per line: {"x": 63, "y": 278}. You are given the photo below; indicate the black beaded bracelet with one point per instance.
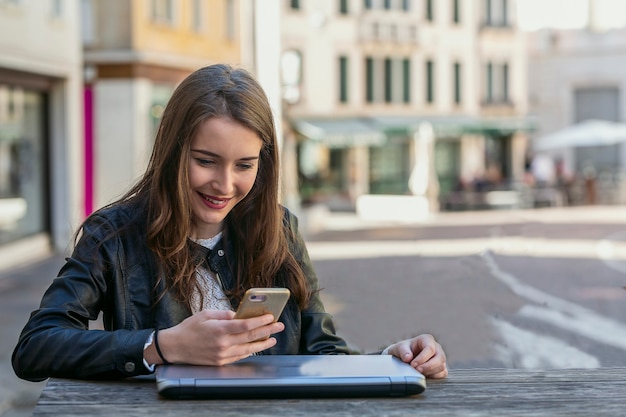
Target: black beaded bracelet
{"x": 158, "y": 349}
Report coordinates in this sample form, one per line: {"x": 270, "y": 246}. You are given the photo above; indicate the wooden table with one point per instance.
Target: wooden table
{"x": 475, "y": 392}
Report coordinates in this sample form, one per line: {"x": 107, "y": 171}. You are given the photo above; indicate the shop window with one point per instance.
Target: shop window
{"x": 389, "y": 169}
{"x": 23, "y": 164}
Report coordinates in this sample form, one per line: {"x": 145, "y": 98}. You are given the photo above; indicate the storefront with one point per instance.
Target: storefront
{"x": 24, "y": 149}
{"x": 340, "y": 159}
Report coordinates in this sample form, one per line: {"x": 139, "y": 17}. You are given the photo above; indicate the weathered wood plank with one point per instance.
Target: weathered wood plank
{"x": 478, "y": 392}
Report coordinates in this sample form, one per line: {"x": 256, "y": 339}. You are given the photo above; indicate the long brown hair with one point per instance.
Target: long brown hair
{"x": 254, "y": 228}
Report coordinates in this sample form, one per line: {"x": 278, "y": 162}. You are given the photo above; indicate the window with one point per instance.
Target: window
{"x": 430, "y": 80}
{"x": 231, "y": 20}
{"x": 457, "y": 83}
{"x": 489, "y": 83}
{"x": 488, "y": 17}
{"x": 343, "y": 6}
{"x": 393, "y": 32}
{"x": 387, "y": 4}
{"x": 291, "y": 75}
{"x": 497, "y": 83}
{"x": 430, "y": 15}
{"x": 369, "y": 79}
{"x": 496, "y": 12}
{"x": 375, "y": 30}
{"x": 56, "y": 8}
{"x": 389, "y": 168}
{"x": 162, "y": 11}
{"x": 597, "y": 103}
{"x": 406, "y": 80}
{"x": 505, "y": 83}
{"x": 87, "y": 22}
{"x": 197, "y": 14}
{"x": 343, "y": 79}
{"x": 406, "y": 5}
{"x": 388, "y": 80}
{"x": 456, "y": 12}
{"x": 368, "y": 4}
{"x": 294, "y": 4}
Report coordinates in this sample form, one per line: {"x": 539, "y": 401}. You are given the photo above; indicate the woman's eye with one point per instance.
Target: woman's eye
{"x": 204, "y": 161}
{"x": 246, "y": 166}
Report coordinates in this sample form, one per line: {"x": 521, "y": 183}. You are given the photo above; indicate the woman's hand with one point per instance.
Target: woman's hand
{"x": 213, "y": 337}
{"x": 424, "y": 354}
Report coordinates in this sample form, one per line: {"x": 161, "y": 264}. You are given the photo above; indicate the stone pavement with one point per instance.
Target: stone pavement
{"x": 329, "y": 235}
{"x": 21, "y": 289}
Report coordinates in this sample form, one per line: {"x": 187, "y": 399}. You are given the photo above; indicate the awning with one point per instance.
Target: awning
{"x": 375, "y": 131}
{"x": 452, "y": 126}
{"x": 341, "y": 133}
{"x": 503, "y": 125}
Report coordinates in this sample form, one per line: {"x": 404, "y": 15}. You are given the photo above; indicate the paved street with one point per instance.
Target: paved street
{"x": 515, "y": 289}
{"x": 20, "y": 292}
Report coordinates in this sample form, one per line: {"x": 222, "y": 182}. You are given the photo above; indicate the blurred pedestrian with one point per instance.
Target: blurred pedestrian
{"x": 590, "y": 176}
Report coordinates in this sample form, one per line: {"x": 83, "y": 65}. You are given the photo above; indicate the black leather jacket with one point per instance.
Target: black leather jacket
{"x": 118, "y": 281}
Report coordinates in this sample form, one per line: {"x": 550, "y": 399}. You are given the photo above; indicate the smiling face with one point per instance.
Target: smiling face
{"x": 223, "y": 165}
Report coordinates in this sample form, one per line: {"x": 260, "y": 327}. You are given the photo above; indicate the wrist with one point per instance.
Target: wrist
{"x": 150, "y": 357}
{"x": 158, "y": 347}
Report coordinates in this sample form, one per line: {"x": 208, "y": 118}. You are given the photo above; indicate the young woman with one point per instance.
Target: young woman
{"x": 168, "y": 263}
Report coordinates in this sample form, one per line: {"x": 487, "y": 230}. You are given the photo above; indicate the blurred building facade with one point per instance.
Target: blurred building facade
{"x": 577, "y": 76}
{"x": 135, "y": 53}
{"x": 41, "y": 170}
{"x": 374, "y": 97}
{"x": 365, "y": 81}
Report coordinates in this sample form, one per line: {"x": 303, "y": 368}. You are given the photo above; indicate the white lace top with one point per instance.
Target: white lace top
{"x": 210, "y": 287}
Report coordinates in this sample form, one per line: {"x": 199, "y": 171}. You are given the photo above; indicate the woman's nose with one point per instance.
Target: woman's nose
{"x": 223, "y": 182}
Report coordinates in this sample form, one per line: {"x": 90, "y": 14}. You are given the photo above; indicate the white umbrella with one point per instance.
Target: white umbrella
{"x": 587, "y": 133}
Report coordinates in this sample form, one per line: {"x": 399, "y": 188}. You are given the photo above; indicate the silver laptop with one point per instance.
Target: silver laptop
{"x": 293, "y": 376}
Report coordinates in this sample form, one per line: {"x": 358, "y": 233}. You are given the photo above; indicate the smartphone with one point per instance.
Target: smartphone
{"x": 259, "y": 301}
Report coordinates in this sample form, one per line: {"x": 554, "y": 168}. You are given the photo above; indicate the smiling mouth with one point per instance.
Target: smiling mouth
{"x": 217, "y": 202}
